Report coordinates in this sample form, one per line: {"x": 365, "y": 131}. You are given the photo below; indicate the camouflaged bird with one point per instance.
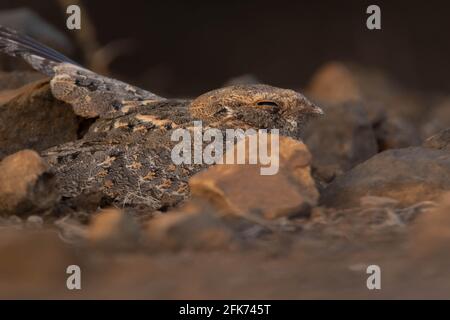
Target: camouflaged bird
{"x": 126, "y": 153}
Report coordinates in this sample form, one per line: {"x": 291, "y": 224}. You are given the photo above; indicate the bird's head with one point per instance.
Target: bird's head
{"x": 255, "y": 106}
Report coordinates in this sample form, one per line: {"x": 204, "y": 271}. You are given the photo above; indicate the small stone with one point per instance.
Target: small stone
{"x": 71, "y": 230}
{"x": 114, "y": 229}
{"x": 26, "y": 185}
{"x": 430, "y": 233}
{"x": 15, "y": 220}
{"x": 34, "y": 222}
{"x": 440, "y": 141}
{"x": 191, "y": 227}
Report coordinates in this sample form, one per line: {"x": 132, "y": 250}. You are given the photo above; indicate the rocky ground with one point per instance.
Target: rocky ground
{"x": 370, "y": 184}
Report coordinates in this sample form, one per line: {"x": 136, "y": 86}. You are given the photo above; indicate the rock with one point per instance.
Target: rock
{"x": 340, "y": 140}
{"x": 430, "y": 234}
{"x": 34, "y": 222}
{"x": 191, "y": 227}
{"x": 241, "y": 189}
{"x": 407, "y": 175}
{"x": 440, "y": 141}
{"x": 395, "y": 113}
{"x": 11, "y": 221}
{"x": 378, "y": 219}
{"x": 26, "y": 185}
{"x": 337, "y": 82}
{"x": 393, "y": 132}
{"x": 71, "y": 230}
{"x": 112, "y": 228}
{"x": 334, "y": 83}
{"x": 31, "y": 118}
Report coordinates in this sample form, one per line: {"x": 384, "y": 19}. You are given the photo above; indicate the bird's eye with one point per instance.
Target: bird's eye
{"x": 267, "y": 104}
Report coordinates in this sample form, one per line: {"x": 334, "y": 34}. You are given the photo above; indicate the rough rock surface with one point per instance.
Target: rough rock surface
{"x": 440, "y": 141}
{"x": 431, "y": 232}
{"x": 242, "y": 189}
{"x": 26, "y": 185}
{"x": 408, "y": 175}
{"x": 31, "y": 118}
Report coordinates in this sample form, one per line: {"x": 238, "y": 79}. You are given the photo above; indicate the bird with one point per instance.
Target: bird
{"x": 125, "y": 153}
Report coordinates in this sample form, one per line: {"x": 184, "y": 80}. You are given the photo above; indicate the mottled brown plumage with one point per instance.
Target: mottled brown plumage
{"x": 126, "y": 154}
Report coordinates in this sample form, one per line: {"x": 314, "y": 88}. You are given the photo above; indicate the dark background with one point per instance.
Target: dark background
{"x": 184, "y": 48}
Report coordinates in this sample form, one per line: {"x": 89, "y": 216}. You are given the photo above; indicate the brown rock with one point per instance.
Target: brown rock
{"x": 31, "y": 118}
{"x": 71, "y": 230}
{"x": 26, "y": 186}
{"x": 394, "y": 132}
{"x": 430, "y": 234}
{"x": 241, "y": 189}
{"x": 440, "y": 141}
{"x": 191, "y": 227}
{"x": 334, "y": 83}
{"x": 340, "y": 140}
{"x": 395, "y": 113}
{"x": 34, "y": 222}
{"x": 114, "y": 229}
{"x": 408, "y": 175}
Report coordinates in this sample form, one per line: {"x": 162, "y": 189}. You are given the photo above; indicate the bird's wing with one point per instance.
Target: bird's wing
{"x": 90, "y": 94}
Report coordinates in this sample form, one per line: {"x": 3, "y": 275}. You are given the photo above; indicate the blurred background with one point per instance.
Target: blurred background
{"x": 182, "y": 49}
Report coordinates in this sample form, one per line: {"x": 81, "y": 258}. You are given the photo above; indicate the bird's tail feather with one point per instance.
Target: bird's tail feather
{"x": 39, "y": 56}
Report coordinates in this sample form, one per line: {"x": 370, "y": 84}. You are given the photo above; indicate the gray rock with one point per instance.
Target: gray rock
{"x": 407, "y": 175}
{"x": 440, "y": 141}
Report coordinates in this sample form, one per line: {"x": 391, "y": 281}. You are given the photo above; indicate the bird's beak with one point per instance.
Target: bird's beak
{"x": 309, "y": 107}
{"x": 316, "y": 110}
{"x": 313, "y": 109}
